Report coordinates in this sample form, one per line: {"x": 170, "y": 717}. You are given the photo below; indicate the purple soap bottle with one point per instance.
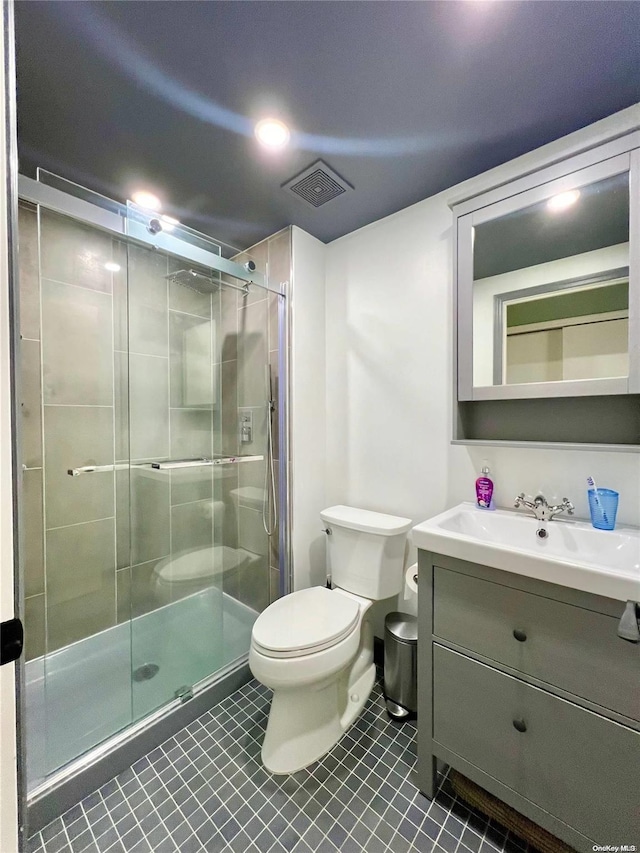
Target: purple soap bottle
{"x": 484, "y": 490}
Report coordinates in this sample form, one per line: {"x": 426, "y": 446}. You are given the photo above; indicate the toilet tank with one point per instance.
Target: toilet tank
{"x": 366, "y": 550}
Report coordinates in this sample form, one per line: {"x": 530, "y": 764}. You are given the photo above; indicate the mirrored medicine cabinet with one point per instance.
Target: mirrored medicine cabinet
{"x": 548, "y": 302}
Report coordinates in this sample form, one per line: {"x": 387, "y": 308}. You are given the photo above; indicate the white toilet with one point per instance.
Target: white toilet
{"x": 314, "y": 647}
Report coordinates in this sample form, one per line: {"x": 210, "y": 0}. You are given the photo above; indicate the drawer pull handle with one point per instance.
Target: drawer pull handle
{"x": 519, "y": 635}
{"x": 520, "y": 725}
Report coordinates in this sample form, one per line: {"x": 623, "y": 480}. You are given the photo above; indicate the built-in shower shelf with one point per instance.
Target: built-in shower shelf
{"x": 196, "y": 463}
{"x": 165, "y": 465}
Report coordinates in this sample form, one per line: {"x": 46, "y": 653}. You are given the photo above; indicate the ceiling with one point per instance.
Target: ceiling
{"x": 401, "y": 99}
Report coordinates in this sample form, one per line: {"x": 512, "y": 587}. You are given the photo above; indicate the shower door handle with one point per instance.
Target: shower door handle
{"x": 160, "y": 466}
{"x": 11, "y": 641}
{"x": 98, "y": 469}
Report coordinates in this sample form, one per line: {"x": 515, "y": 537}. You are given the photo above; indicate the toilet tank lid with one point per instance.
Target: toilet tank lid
{"x": 365, "y": 520}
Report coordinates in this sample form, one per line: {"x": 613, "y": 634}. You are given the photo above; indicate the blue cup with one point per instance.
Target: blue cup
{"x": 603, "y": 508}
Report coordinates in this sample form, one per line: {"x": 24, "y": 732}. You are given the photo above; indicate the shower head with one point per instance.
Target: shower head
{"x": 198, "y": 281}
{"x": 202, "y": 282}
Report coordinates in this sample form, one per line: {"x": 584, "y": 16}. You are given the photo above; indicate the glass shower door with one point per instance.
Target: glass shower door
{"x": 78, "y": 650}
{"x": 145, "y": 383}
{"x": 196, "y": 402}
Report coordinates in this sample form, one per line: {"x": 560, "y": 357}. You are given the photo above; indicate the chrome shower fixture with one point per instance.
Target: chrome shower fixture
{"x": 202, "y": 282}
{"x": 270, "y": 502}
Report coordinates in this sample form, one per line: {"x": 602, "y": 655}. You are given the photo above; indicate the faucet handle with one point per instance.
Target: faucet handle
{"x": 521, "y": 500}
{"x": 533, "y": 505}
{"x": 568, "y": 506}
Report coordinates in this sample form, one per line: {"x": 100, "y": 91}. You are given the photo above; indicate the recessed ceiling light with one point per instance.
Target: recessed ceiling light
{"x": 169, "y": 223}
{"x": 112, "y": 266}
{"x": 147, "y": 200}
{"x": 563, "y": 200}
{"x": 272, "y": 133}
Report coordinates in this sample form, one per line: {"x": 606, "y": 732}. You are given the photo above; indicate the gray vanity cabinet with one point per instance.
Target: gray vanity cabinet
{"x": 525, "y": 688}
{"x": 574, "y": 648}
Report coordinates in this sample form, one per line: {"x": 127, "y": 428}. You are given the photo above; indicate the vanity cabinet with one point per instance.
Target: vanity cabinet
{"x": 526, "y": 689}
{"x": 574, "y": 648}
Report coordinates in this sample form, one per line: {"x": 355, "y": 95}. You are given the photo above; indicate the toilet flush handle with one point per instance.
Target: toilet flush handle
{"x": 326, "y": 530}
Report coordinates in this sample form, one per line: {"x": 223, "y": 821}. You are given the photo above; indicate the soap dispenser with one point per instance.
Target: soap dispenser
{"x": 484, "y": 489}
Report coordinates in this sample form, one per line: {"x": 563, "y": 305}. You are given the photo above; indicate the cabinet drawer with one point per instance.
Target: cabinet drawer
{"x": 572, "y": 648}
{"x": 575, "y": 764}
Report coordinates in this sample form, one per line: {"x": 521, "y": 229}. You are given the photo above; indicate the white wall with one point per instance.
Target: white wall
{"x": 485, "y": 289}
{"x": 389, "y": 362}
{"x": 308, "y": 421}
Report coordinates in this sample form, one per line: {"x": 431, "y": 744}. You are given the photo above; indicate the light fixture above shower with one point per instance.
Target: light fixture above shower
{"x": 146, "y": 200}
{"x": 272, "y": 133}
{"x": 150, "y": 202}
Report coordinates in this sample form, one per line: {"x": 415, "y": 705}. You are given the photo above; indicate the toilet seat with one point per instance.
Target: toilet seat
{"x": 305, "y": 622}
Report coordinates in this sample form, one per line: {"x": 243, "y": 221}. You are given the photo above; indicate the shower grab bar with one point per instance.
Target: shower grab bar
{"x": 163, "y": 466}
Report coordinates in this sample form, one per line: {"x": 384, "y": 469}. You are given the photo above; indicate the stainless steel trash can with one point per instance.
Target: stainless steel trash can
{"x": 401, "y": 664}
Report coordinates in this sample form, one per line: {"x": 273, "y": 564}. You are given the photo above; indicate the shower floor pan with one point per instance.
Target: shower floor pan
{"x": 82, "y": 694}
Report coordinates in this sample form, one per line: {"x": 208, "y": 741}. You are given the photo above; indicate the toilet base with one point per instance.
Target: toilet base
{"x": 304, "y": 724}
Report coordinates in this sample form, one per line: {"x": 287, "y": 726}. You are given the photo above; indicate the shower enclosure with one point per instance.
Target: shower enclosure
{"x": 154, "y": 464}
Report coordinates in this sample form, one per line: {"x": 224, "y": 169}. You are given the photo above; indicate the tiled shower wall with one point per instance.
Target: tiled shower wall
{"x": 186, "y": 362}
{"x": 273, "y": 258}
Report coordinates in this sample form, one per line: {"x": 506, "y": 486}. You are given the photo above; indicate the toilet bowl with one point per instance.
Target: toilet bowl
{"x": 314, "y": 647}
{"x": 321, "y": 674}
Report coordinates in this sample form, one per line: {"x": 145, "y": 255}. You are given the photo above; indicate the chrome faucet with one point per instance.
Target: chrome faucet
{"x": 541, "y": 509}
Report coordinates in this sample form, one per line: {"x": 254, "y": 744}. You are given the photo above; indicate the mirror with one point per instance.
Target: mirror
{"x": 551, "y": 289}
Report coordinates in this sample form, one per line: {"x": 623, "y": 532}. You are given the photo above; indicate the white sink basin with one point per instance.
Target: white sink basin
{"x": 603, "y": 562}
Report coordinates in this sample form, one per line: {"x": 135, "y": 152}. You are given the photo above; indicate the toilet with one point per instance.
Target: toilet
{"x": 314, "y": 647}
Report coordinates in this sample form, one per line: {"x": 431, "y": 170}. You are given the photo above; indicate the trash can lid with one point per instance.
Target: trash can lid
{"x": 402, "y": 626}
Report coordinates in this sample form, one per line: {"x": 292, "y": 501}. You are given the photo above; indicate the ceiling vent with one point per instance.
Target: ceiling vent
{"x": 317, "y": 184}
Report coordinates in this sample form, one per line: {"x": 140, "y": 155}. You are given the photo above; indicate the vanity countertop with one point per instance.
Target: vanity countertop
{"x": 575, "y": 554}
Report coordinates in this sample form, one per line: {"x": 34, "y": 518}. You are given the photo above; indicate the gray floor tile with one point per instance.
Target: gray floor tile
{"x": 205, "y": 790}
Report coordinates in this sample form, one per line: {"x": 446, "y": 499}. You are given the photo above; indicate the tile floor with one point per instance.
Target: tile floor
{"x": 206, "y": 790}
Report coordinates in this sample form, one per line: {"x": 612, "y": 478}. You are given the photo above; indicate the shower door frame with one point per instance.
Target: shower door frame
{"x": 69, "y": 784}
{"x": 123, "y": 226}
{"x": 12, "y": 771}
